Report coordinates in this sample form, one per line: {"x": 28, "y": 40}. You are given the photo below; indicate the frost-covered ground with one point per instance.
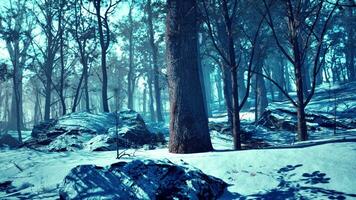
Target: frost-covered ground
{"x": 316, "y": 172}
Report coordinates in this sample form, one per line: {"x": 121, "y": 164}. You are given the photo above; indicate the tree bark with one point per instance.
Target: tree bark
{"x": 189, "y": 132}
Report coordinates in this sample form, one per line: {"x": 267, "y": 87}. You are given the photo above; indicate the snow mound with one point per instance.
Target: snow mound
{"x": 140, "y": 179}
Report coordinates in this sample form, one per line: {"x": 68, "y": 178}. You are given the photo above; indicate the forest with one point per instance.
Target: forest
{"x": 177, "y": 99}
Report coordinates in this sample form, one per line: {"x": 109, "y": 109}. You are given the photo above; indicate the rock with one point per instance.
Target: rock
{"x": 6, "y": 140}
{"x": 41, "y": 129}
{"x": 95, "y": 132}
{"x": 221, "y": 127}
{"x": 282, "y": 119}
{"x": 140, "y": 179}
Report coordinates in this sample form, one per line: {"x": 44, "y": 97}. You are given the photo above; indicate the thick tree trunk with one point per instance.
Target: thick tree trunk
{"x": 189, "y": 132}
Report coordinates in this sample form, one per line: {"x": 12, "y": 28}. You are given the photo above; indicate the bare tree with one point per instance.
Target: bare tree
{"x": 228, "y": 54}
{"x": 102, "y": 14}
{"x": 300, "y": 34}
{"x": 15, "y": 28}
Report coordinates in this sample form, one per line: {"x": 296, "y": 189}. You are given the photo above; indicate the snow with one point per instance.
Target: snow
{"x": 323, "y": 168}
{"x": 250, "y": 172}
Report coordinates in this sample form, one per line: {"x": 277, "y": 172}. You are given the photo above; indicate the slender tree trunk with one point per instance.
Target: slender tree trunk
{"x": 17, "y": 102}
{"x": 350, "y": 46}
{"x": 104, "y": 46}
{"x": 156, "y": 70}
{"x": 227, "y": 91}
{"x": 144, "y": 100}
{"x": 61, "y": 51}
{"x": 16, "y": 83}
{"x": 261, "y": 92}
{"x": 219, "y": 90}
{"x": 298, "y": 72}
{"x": 207, "y": 84}
{"x": 236, "y": 126}
{"x": 48, "y": 90}
{"x": 189, "y": 132}
{"x": 150, "y": 93}
{"x": 37, "y": 109}
{"x": 130, "y": 85}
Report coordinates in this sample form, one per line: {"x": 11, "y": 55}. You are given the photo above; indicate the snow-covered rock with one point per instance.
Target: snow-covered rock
{"x": 140, "y": 179}
{"x": 95, "y": 132}
{"x": 6, "y": 140}
{"x": 330, "y": 107}
{"x": 283, "y": 119}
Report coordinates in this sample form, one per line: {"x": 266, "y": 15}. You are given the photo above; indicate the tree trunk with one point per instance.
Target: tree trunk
{"x": 236, "y": 126}
{"x": 261, "y": 92}
{"x": 150, "y": 94}
{"x": 189, "y": 132}
{"x": 144, "y": 100}
{"x": 48, "y": 90}
{"x": 130, "y": 85}
{"x": 350, "y": 45}
{"x": 156, "y": 70}
{"x": 226, "y": 76}
{"x": 18, "y": 106}
{"x": 61, "y": 51}
{"x": 104, "y": 45}
{"x": 16, "y": 102}
{"x": 298, "y": 72}
{"x": 207, "y": 84}
{"x": 219, "y": 90}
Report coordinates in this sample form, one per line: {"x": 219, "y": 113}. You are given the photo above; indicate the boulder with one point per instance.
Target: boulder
{"x": 248, "y": 139}
{"x": 140, "y": 179}
{"x": 95, "y": 132}
{"x": 282, "y": 119}
{"x": 6, "y": 140}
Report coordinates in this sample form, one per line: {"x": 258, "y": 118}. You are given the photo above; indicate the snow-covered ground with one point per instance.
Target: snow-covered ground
{"x": 323, "y": 169}
{"x": 316, "y": 172}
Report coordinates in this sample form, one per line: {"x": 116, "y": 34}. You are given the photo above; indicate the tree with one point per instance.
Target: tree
{"x": 300, "y": 34}
{"x": 130, "y": 74}
{"x": 156, "y": 73}
{"x": 228, "y": 54}
{"x": 15, "y": 29}
{"x": 189, "y": 132}
{"x": 47, "y": 22}
{"x": 83, "y": 32}
{"x": 104, "y": 39}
